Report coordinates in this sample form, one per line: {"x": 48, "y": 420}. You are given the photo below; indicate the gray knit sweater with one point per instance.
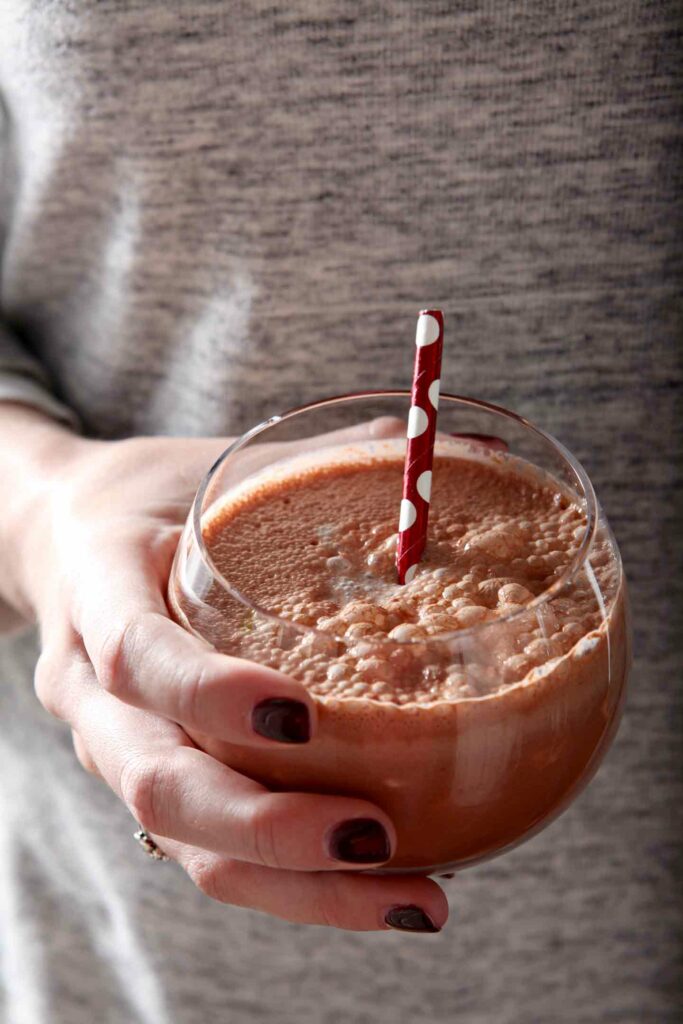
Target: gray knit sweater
{"x": 212, "y": 210}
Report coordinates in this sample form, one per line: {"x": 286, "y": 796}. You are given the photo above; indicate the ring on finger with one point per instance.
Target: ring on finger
{"x": 149, "y": 846}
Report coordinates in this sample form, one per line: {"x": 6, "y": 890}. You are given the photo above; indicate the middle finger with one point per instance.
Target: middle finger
{"x": 176, "y": 790}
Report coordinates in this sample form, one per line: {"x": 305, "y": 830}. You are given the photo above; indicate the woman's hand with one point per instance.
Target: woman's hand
{"x": 90, "y": 534}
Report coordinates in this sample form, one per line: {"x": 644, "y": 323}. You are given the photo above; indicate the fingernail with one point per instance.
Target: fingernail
{"x": 283, "y": 720}
{"x": 410, "y": 919}
{"x": 360, "y": 841}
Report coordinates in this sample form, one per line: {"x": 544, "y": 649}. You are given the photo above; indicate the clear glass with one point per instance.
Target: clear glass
{"x": 466, "y": 777}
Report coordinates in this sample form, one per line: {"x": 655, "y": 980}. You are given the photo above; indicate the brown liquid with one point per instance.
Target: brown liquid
{"x": 470, "y": 742}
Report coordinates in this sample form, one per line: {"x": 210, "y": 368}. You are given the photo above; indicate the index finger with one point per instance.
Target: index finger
{"x": 145, "y": 659}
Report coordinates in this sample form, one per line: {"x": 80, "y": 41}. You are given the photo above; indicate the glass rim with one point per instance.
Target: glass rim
{"x": 547, "y": 595}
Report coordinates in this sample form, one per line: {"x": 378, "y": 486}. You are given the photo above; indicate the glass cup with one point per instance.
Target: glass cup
{"x": 506, "y": 746}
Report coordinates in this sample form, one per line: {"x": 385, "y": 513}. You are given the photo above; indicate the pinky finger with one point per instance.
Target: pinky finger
{"x": 337, "y": 899}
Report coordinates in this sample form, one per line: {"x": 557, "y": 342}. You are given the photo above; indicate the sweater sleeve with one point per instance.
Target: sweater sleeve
{"x": 23, "y": 379}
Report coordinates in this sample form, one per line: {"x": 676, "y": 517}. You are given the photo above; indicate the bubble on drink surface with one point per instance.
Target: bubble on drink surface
{"x": 442, "y": 574}
{"x": 471, "y": 616}
{"x": 542, "y": 649}
{"x": 406, "y": 632}
{"x": 375, "y": 669}
{"x": 514, "y": 593}
{"x": 337, "y": 564}
{"x": 516, "y": 667}
{"x": 502, "y": 541}
{"x": 358, "y": 630}
{"x": 586, "y": 645}
{"x": 439, "y": 624}
{"x": 336, "y": 672}
{"x": 574, "y": 630}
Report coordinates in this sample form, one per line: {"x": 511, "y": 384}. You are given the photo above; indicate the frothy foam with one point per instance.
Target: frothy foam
{"x": 312, "y": 541}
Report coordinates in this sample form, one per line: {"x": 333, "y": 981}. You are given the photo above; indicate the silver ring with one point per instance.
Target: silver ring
{"x": 149, "y": 846}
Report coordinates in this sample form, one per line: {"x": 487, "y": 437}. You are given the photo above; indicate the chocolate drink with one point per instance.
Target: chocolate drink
{"x": 460, "y": 703}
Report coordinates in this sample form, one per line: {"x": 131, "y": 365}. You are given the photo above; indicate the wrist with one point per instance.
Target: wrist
{"x": 34, "y": 456}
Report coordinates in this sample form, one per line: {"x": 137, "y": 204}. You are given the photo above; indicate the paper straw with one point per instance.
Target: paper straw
{"x": 417, "y": 474}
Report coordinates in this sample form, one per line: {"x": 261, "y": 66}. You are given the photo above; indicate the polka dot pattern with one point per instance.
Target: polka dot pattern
{"x": 421, "y": 431}
{"x": 424, "y": 485}
{"x": 428, "y": 329}
{"x": 408, "y": 514}
{"x": 418, "y": 422}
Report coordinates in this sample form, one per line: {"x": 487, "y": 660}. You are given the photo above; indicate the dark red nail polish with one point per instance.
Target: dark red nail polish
{"x": 410, "y": 919}
{"x": 360, "y": 841}
{"x": 283, "y": 720}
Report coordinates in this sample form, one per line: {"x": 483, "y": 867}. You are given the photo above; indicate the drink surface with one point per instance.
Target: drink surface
{"x": 461, "y": 704}
{"x": 317, "y": 548}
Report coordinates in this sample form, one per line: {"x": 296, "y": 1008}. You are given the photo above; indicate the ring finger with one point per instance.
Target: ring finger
{"x": 176, "y": 790}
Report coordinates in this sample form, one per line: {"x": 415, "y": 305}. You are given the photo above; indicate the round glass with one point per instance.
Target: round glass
{"x": 471, "y": 738}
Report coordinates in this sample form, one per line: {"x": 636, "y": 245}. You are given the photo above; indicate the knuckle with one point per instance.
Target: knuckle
{"x": 262, "y": 838}
{"x": 47, "y": 684}
{"x": 331, "y": 907}
{"x": 210, "y": 876}
{"x": 192, "y": 693}
{"x": 144, "y": 788}
{"x": 114, "y": 656}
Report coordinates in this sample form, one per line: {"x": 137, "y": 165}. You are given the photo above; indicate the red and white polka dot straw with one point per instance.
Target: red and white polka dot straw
{"x": 417, "y": 475}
